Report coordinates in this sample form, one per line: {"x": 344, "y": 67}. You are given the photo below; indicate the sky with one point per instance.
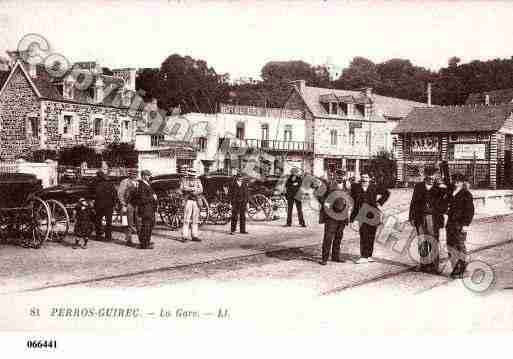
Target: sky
{"x": 239, "y": 37}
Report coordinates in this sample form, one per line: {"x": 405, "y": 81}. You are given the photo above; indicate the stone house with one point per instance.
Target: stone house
{"x": 346, "y": 128}
{"x": 85, "y": 107}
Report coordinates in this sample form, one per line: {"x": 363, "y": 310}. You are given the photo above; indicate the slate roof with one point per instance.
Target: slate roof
{"x": 469, "y": 118}
{"x": 496, "y": 97}
{"x": 48, "y": 87}
{"x": 384, "y": 106}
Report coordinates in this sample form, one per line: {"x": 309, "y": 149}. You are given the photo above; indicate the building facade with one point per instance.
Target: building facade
{"x": 84, "y": 108}
{"x": 347, "y": 128}
{"x": 476, "y": 140}
{"x": 263, "y": 140}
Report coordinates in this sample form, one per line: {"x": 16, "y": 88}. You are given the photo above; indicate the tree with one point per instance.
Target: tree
{"x": 361, "y": 72}
{"x": 189, "y": 83}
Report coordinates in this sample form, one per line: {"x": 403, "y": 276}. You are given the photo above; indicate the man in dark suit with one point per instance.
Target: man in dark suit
{"x": 335, "y": 205}
{"x": 427, "y": 207}
{"x": 460, "y": 215}
{"x": 366, "y": 211}
{"x": 146, "y": 201}
{"x": 294, "y": 196}
{"x": 105, "y": 197}
{"x": 238, "y": 194}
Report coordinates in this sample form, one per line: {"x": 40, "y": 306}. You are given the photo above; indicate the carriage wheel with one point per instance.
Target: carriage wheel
{"x": 59, "y": 219}
{"x": 203, "y": 209}
{"x": 219, "y": 212}
{"x": 39, "y": 225}
{"x": 259, "y": 206}
{"x": 279, "y": 203}
{"x": 171, "y": 211}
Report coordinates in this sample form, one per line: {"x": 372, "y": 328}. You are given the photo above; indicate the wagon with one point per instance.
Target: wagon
{"x": 62, "y": 199}
{"x": 171, "y": 202}
{"x": 272, "y": 187}
{"x": 215, "y": 188}
{"x": 23, "y": 215}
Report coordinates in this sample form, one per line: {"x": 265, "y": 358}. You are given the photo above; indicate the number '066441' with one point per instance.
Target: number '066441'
{"x": 40, "y": 344}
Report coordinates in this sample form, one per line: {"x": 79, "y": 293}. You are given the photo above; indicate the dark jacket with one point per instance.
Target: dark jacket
{"x": 105, "y": 195}
{"x": 293, "y": 186}
{"x": 369, "y": 197}
{"x": 145, "y": 200}
{"x": 425, "y": 202}
{"x": 336, "y": 200}
{"x": 238, "y": 195}
{"x": 461, "y": 208}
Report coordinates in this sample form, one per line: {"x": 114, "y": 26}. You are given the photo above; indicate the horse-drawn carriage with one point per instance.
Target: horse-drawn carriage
{"x": 23, "y": 215}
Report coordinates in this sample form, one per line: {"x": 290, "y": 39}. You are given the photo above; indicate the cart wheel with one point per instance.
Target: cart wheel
{"x": 259, "y": 208}
{"x": 39, "y": 225}
{"x": 171, "y": 211}
{"x": 59, "y": 219}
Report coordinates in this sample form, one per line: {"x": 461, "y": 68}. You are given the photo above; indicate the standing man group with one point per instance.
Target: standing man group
{"x": 429, "y": 203}
{"x": 342, "y": 203}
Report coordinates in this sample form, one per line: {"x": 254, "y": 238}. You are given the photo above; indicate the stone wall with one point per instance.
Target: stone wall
{"x": 16, "y": 102}
{"x": 84, "y": 116}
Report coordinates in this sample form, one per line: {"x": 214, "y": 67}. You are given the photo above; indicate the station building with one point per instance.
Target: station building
{"x": 476, "y": 140}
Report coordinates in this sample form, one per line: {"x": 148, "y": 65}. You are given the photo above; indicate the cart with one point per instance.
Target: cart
{"x": 23, "y": 216}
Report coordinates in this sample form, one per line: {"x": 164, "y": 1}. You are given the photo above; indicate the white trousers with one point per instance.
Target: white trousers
{"x": 190, "y": 219}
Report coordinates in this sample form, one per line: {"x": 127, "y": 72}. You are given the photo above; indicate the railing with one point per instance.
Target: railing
{"x": 8, "y": 167}
{"x": 273, "y": 145}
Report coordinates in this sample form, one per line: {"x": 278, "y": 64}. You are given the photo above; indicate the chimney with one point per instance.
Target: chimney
{"x": 487, "y": 99}
{"x": 98, "y": 90}
{"x": 32, "y": 70}
{"x": 429, "y": 94}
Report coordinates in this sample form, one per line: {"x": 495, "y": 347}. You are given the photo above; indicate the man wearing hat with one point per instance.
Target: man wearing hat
{"x": 238, "y": 194}
{"x": 293, "y": 194}
{"x": 126, "y": 191}
{"x": 146, "y": 202}
{"x": 191, "y": 188}
{"x": 104, "y": 201}
{"x": 335, "y": 206}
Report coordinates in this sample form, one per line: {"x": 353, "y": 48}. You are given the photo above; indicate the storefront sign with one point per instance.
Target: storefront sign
{"x": 466, "y": 151}
{"x": 424, "y": 144}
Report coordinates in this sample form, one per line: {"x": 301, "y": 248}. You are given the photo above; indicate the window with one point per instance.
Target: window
{"x": 126, "y": 133}
{"x": 33, "y": 124}
{"x": 367, "y": 137}
{"x": 67, "y": 126}
{"x": 156, "y": 139}
{"x": 240, "y": 131}
{"x": 265, "y": 135}
{"x": 98, "y": 127}
{"x": 202, "y": 143}
{"x": 334, "y": 108}
{"x": 333, "y": 137}
{"x": 350, "y": 109}
{"x": 287, "y": 133}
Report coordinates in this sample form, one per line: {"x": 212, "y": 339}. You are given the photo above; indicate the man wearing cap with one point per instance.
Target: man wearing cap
{"x": 335, "y": 206}
{"x": 460, "y": 215}
{"x": 191, "y": 188}
{"x": 294, "y": 196}
{"x": 126, "y": 191}
{"x": 146, "y": 202}
{"x": 104, "y": 201}
{"x": 427, "y": 207}
{"x": 368, "y": 198}
{"x": 238, "y": 194}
